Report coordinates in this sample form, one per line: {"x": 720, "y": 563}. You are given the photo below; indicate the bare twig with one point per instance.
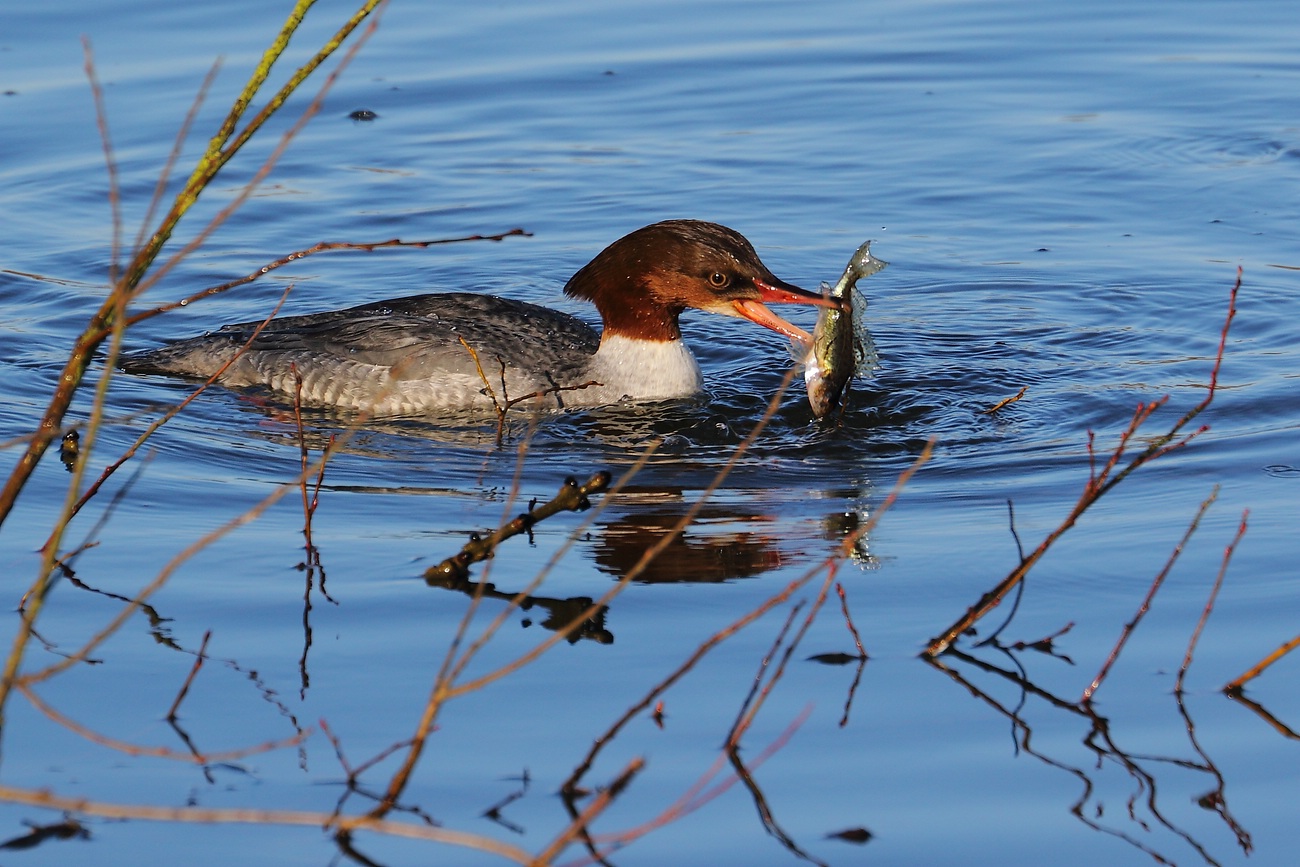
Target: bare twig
{"x": 582, "y": 821}
{"x": 1005, "y": 402}
{"x": 504, "y": 403}
{"x": 1276, "y": 724}
{"x": 178, "y": 144}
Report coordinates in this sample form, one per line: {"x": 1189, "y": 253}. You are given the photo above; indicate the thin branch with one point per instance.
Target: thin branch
{"x": 198, "y": 815}
{"x": 110, "y": 160}
{"x": 169, "y": 165}
{"x": 155, "y": 752}
{"x": 1005, "y": 402}
{"x": 1156, "y": 584}
{"x": 848, "y": 620}
{"x": 322, "y": 247}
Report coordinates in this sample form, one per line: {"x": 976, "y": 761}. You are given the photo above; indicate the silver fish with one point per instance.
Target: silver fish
{"x": 841, "y": 347}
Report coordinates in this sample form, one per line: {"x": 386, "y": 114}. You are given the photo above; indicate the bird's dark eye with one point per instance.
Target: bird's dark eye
{"x": 718, "y": 279}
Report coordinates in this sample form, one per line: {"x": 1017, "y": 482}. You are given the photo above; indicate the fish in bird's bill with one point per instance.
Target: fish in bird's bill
{"x": 841, "y": 347}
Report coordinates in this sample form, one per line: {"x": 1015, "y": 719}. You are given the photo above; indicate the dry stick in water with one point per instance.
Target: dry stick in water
{"x": 584, "y": 819}
{"x": 1156, "y": 584}
{"x": 744, "y": 772}
{"x": 1216, "y": 799}
{"x": 1005, "y": 402}
{"x": 831, "y": 565}
{"x": 755, "y": 701}
{"x": 1235, "y": 687}
{"x": 455, "y": 661}
{"x": 749, "y": 709}
{"x": 1099, "y": 483}
{"x": 695, "y": 797}
{"x": 743, "y": 718}
{"x": 572, "y": 497}
{"x": 1100, "y": 740}
{"x": 1276, "y": 724}
{"x": 862, "y": 654}
{"x": 311, "y": 556}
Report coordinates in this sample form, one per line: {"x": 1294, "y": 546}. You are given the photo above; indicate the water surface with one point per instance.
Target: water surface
{"x": 1064, "y": 197}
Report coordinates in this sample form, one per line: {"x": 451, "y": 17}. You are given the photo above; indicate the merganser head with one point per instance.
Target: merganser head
{"x": 643, "y": 281}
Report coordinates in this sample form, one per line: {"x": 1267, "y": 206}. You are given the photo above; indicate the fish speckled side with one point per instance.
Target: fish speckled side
{"x": 840, "y": 347}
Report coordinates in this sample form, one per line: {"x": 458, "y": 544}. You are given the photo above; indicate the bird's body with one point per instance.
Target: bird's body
{"x": 457, "y": 350}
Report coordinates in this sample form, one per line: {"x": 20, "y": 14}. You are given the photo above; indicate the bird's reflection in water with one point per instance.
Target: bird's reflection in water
{"x": 560, "y": 613}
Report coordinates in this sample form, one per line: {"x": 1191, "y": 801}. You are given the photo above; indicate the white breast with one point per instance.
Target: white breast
{"x": 646, "y": 369}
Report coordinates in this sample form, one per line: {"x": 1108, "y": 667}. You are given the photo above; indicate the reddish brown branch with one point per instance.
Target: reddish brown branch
{"x": 1156, "y": 584}
{"x": 1209, "y": 603}
{"x": 848, "y": 620}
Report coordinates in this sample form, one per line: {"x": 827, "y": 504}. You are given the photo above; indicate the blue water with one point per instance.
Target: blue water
{"x": 1064, "y": 195}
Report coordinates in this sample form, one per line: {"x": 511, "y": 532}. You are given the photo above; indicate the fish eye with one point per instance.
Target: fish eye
{"x": 719, "y": 280}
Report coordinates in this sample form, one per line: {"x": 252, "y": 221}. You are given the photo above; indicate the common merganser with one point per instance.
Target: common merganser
{"x": 405, "y": 356}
